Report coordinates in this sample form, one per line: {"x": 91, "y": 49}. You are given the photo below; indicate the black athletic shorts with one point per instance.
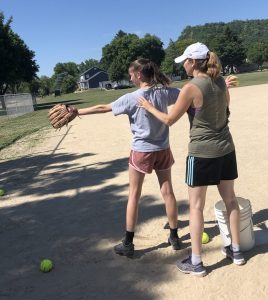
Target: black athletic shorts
{"x": 210, "y": 171}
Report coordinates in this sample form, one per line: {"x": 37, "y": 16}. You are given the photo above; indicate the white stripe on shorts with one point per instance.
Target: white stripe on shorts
{"x": 192, "y": 179}
{"x": 190, "y": 170}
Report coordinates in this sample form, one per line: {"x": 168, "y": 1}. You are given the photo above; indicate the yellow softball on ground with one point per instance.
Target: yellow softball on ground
{"x": 205, "y": 238}
{"x": 46, "y": 265}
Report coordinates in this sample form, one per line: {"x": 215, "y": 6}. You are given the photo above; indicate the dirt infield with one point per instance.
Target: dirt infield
{"x": 66, "y": 199}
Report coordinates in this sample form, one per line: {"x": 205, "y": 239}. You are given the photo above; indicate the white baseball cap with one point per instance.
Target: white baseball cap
{"x": 194, "y": 51}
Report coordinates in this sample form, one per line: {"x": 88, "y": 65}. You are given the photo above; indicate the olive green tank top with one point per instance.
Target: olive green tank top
{"x": 209, "y": 132}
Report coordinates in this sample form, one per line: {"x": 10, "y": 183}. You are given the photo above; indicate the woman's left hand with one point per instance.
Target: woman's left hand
{"x": 142, "y": 102}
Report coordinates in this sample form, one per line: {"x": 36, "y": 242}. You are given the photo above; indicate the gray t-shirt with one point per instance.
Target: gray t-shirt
{"x": 149, "y": 134}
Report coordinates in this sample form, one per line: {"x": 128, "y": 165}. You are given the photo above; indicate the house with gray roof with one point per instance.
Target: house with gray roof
{"x": 92, "y": 78}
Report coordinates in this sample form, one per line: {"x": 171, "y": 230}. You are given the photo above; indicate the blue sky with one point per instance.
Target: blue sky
{"x": 76, "y": 30}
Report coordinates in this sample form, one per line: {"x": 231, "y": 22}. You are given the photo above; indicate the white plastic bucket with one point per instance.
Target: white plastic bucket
{"x": 247, "y": 238}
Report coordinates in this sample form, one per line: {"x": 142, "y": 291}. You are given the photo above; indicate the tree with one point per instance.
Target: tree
{"x": 23, "y": 88}
{"x": 125, "y": 48}
{"x": 168, "y": 66}
{"x": 229, "y": 48}
{"x": 69, "y": 84}
{"x": 87, "y": 64}
{"x": 258, "y": 53}
{"x": 249, "y": 31}
{"x": 65, "y": 77}
{"x": 70, "y": 67}
{"x": 46, "y": 85}
{"x": 34, "y": 87}
{"x": 117, "y": 70}
{"x": 17, "y": 61}
{"x": 151, "y": 48}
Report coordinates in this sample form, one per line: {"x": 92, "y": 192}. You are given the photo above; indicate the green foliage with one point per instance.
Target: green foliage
{"x": 34, "y": 87}
{"x": 65, "y": 77}
{"x": 151, "y": 48}
{"x": 229, "y": 48}
{"x": 17, "y": 61}
{"x": 168, "y": 66}
{"x": 29, "y": 87}
{"x": 117, "y": 70}
{"x": 46, "y": 85}
{"x": 70, "y": 67}
{"x": 249, "y": 31}
{"x": 125, "y": 48}
{"x": 69, "y": 84}
{"x": 87, "y": 64}
{"x": 258, "y": 53}
{"x": 23, "y": 88}
{"x": 232, "y": 51}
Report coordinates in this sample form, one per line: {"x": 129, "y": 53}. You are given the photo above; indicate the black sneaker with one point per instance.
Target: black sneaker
{"x": 236, "y": 256}
{"x": 124, "y": 250}
{"x": 174, "y": 242}
{"x": 187, "y": 267}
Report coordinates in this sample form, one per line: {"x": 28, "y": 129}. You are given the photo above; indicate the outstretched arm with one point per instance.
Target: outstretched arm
{"x": 183, "y": 102}
{"x": 97, "y": 109}
{"x": 60, "y": 114}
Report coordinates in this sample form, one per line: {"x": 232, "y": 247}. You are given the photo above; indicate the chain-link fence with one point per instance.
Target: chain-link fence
{"x": 13, "y": 105}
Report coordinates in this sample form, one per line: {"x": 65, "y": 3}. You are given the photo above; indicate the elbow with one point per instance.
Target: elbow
{"x": 169, "y": 122}
{"x": 102, "y": 108}
{"x": 106, "y": 108}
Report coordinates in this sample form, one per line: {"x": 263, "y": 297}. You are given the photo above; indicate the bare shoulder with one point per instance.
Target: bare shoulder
{"x": 190, "y": 90}
{"x": 190, "y": 87}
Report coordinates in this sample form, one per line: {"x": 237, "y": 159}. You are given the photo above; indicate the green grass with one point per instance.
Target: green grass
{"x": 12, "y": 129}
{"x": 253, "y": 78}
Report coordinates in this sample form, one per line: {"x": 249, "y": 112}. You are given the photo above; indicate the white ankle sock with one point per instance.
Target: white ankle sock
{"x": 196, "y": 259}
{"x": 235, "y": 247}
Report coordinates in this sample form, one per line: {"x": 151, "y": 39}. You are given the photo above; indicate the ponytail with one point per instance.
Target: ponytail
{"x": 150, "y": 72}
{"x": 211, "y": 66}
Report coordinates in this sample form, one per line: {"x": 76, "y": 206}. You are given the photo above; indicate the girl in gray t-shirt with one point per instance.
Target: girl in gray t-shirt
{"x": 150, "y": 147}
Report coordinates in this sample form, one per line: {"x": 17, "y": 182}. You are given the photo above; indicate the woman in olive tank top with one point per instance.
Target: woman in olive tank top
{"x": 211, "y": 156}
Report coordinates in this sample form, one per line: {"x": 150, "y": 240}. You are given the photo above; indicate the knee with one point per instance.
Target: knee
{"x": 232, "y": 203}
{"x": 197, "y": 206}
{"x": 134, "y": 195}
{"x": 167, "y": 193}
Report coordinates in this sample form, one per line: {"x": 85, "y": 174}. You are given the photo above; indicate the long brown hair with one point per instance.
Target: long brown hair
{"x": 150, "y": 72}
{"x": 210, "y": 66}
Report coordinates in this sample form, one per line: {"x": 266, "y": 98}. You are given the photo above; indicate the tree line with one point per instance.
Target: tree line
{"x": 235, "y": 43}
